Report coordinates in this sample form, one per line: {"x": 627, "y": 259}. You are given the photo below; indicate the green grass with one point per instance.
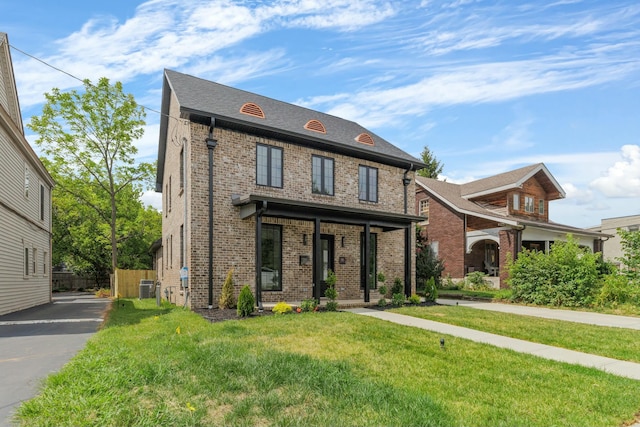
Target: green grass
{"x": 324, "y": 369}
{"x": 459, "y": 293}
{"x": 617, "y": 343}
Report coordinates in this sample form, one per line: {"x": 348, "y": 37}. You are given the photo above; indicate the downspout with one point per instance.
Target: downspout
{"x": 211, "y": 144}
{"x": 258, "y": 261}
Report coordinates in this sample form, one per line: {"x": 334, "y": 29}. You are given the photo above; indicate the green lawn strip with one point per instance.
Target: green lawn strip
{"x": 617, "y": 343}
{"x": 323, "y": 369}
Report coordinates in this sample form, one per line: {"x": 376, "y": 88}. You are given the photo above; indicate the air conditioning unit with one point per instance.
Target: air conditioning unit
{"x": 145, "y": 288}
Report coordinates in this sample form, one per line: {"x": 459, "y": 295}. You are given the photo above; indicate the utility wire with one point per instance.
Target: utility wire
{"x": 79, "y": 79}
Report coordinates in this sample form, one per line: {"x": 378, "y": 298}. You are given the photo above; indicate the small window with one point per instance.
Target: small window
{"x": 322, "y": 175}
{"x": 516, "y": 202}
{"x": 45, "y": 263}
{"x": 528, "y": 204}
{"x": 26, "y": 261}
{"x": 41, "y": 202}
{"x": 424, "y": 208}
{"x": 27, "y": 177}
{"x": 269, "y": 166}
{"x": 169, "y": 195}
{"x": 182, "y": 168}
{"x": 34, "y": 260}
{"x": 541, "y": 207}
{"x": 181, "y": 246}
{"x": 368, "y": 184}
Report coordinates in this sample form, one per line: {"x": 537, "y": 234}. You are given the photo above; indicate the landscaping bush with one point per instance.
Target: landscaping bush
{"x": 430, "y": 290}
{"x": 308, "y": 304}
{"x": 330, "y": 292}
{"x": 397, "y": 299}
{"x": 567, "y": 276}
{"x": 414, "y": 299}
{"x": 331, "y": 306}
{"x": 427, "y": 263}
{"x": 383, "y": 291}
{"x": 397, "y": 287}
{"x": 103, "y": 293}
{"x": 282, "y": 308}
{"x": 246, "y": 302}
{"x": 617, "y": 290}
{"x": 477, "y": 281}
{"x": 382, "y": 302}
{"x": 227, "y": 299}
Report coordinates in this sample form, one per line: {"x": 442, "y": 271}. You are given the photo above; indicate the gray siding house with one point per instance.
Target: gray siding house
{"x": 25, "y": 205}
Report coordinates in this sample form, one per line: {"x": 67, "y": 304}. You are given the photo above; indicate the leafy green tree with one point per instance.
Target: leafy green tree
{"x": 89, "y": 140}
{"x": 434, "y": 167}
{"x": 630, "y": 242}
{"x": 428, "y": 265}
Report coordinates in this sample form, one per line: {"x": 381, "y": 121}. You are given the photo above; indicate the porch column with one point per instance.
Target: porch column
{"x": 407, "y": 260}
{"x": 258, "y": 262}
{"x": 317, "y": 261}
{"x": 367, "y": 260}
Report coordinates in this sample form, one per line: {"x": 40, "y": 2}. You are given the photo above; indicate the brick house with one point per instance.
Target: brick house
{"x": 476, "y": 226}
{"x": 25, "y": 205}
{"x": 278, "y": 193}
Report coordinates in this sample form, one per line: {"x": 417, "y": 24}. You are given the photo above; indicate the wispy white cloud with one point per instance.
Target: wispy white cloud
{"x": 622, "y": 179}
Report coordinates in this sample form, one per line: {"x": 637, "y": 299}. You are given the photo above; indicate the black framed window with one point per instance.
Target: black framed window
{"x": 271, "y": 257}
{"x": 368, "y": 183}
{"x": 322, "y": 175}
{"x": 269, "y": 166}
{"x": 373, "y": 263}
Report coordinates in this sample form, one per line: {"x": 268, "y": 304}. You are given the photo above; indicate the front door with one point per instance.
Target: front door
{"x": 326, "y": 257}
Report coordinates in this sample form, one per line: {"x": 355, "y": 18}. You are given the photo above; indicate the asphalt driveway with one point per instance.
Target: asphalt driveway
{"x": 39, "y": 341}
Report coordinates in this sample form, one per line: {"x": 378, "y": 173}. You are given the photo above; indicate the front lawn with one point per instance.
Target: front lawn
{"x": 168, "y": 366}
{"x": 617, "y": 343}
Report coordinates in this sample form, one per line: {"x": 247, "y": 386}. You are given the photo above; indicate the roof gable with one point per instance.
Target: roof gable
{"x": 8, "y": 90}
{"x": 513, "y": 179}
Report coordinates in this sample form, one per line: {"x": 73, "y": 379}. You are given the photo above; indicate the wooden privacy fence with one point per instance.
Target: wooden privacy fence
{"x": 127, "y": 282}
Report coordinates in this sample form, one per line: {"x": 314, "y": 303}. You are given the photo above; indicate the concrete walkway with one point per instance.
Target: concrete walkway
{"x": 612, "y": 366}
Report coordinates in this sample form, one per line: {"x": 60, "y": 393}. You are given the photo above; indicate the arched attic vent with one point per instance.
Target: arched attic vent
{"x": 252, "y": 109}
{"x": 316, "y": 126}
{"x": 365, "y": 138}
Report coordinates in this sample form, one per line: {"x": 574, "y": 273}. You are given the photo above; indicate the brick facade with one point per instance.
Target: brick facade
{"x": 234, "y": 174}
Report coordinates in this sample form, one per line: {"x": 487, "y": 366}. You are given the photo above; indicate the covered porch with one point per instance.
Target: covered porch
{"x": 316, "y": 238}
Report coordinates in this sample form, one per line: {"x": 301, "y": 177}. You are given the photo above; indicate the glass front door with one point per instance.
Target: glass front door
{"x": 326, "y": 258}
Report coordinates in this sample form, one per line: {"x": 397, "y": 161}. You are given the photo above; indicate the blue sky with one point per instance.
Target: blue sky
{"x": 488, "y": 86}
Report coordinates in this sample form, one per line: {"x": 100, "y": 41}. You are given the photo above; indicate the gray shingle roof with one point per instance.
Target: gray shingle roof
{"x": 208, "y": 98}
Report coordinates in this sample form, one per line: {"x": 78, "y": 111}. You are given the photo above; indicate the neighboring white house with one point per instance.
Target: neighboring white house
{"x": 612, "y": 249}
{"x": 25, "y": 205}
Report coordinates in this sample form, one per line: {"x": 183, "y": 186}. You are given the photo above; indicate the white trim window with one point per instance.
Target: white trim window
{"x": 424, "y": 209}
{"x": 516, "y": 202}
{"x": 528, "y": 204}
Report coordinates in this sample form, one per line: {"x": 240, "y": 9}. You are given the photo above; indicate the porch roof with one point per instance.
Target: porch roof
{"x": 304, "y": 210}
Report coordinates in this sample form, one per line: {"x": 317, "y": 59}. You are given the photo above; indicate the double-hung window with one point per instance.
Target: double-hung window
{"x": 269, "y": 166}
{"x": 322, "y": 175}
{"x": 368, "y": 184}
{"x": 528, "y": 204}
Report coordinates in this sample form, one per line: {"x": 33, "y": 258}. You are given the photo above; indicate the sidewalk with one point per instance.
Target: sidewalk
{"x": 550, "y": 313}
{"x": 612, "y": 366}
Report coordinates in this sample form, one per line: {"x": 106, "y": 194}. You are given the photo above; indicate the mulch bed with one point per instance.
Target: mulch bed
{"x": 219, "y": 315}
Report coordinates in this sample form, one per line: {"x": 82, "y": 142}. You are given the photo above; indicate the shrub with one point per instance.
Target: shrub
{"x": 397, "y": 299}
{"x": 309, "y": 304}
{"x": 414, "y": 299}
{"x": 330, "y": 292}
{"x": 448, "y": 283}
{"x": 226, "y": 296}
{"x": 427, "y": 263}
{"x": 282, "y": 308}
{"x": 331, "y": 306}
{"x": 246, "y": 302}
{"x": 383, "y": 291}
{"x": 397, "y": 286}
{"x": 567, "y": 276}
{"x": 382, "y": 302}
{"x": 476, "y": 281}
{"x": 430, "y": 290}
{"x": 616, "y": 290}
